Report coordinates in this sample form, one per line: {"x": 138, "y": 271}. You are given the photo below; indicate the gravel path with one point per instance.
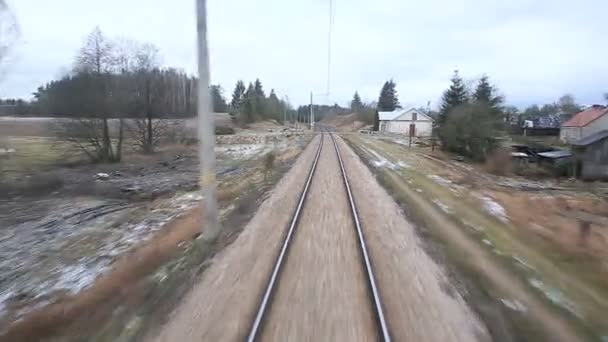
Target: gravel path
{"x": 322, "y": 295}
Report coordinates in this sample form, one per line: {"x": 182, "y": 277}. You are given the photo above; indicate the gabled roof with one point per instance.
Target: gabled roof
{"x": 585, "y": 117}
{"x": 592, "y": 138}
{"x": 389, "y": 116}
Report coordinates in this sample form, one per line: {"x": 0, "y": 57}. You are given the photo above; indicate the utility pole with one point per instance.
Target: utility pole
{"x": 206, "y": 132}
{"x": 312, "y": 118}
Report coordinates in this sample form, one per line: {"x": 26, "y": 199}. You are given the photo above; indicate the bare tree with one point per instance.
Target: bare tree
{"x": 94, "y": 64}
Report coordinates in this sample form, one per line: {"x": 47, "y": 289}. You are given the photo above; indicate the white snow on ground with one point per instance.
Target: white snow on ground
{"x": 555, "y": 296}
{"x": 380, "y": 161}
{"x": 241, "y": 151}
{"x": 76, "y": 277}
{"x": 514, "y": 305}
{"x": 523, "y": 262}
{"x": 443, "y": 206}
{"x": 495, "y": 209}
{"x": 440, "y": 179}
{"x": 403, "y": 164}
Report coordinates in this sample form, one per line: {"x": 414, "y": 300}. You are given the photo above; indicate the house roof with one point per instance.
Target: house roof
{"x": 592, "y": 138}
{"x": 585, "y": 117}
{"x": 389, "y": 116}
{"x": 555, "y": 154}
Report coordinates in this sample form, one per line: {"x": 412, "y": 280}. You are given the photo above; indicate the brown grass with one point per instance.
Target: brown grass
{"x": 120, "y": 284}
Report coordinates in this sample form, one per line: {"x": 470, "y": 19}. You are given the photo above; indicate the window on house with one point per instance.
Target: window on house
{"x": 414, "y": 116}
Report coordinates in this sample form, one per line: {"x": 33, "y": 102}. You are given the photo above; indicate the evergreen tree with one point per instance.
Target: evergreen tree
{"x": 471, "y": 127}
{"x": 217, "y": 99}
{"x": 259, "y": 91}
{"x": 238, "y": 99}
{"x": 259, "y": 98}
{"x": 485, "y": 94}
{"x": 274, "y": 107}
{"x": 388, "y": 100}
{"x": 238, "y": 96}
{"x": 453, "y": 97}
{"x": 356, "y": 104}
{"x": 376, "y": 121}
{"x": 250, "y": 109}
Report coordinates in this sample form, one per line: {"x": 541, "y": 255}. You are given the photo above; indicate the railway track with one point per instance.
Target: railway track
{"x": 355, "y": 236}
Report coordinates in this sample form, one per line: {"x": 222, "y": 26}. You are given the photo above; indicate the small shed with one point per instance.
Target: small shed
{"x": 591, "y": 154}
{"x": 406, "y": 121}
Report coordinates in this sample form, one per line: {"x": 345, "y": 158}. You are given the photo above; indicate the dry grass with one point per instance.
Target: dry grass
{"x": 499, "y": 163}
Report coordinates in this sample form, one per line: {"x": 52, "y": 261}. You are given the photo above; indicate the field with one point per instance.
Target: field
{"x": 516, "y": 245}
{"x": 66, "y": 230}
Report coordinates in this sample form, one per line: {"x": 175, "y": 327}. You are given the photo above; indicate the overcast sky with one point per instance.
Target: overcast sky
{"x": 534, "y": 50}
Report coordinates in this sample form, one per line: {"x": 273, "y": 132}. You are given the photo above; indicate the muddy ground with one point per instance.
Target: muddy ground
{"x": 65, "y": 227}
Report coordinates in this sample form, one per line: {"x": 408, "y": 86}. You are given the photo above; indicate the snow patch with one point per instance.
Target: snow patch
{"x": 523, "y": 262}
{"x": 514, "y": 305}
{"x": 381, "y": 162}
{"x": 487, "y": 242}
{"x": 74, "y": 278}
{"x": 403, "y": 164}
{"x": 555, "y": 296}
{"x": 494, "y": 209}
{"x": 242, "y": 151}
{"x": 440, "y": 179}
{"x": 419, "y": 190}
{"x": 442, "y": 206}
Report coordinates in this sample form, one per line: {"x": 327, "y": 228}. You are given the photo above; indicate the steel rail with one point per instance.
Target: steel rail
{"x": 380, "y": 317}
{"x": 264, "y": 304}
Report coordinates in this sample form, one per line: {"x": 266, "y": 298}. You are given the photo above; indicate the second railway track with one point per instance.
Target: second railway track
{"x": 322, "y": 285}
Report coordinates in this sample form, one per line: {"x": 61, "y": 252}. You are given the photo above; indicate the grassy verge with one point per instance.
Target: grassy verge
{"x": 479, "y": 252}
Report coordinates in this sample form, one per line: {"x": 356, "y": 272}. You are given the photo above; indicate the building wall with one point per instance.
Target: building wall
{"x": 596, "y": 126}
{"x": 595, "y": 161}
{"x": 570, "y": 134}
{"x": 423, "y": 128}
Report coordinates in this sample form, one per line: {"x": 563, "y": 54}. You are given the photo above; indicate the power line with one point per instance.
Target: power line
{"x": 329, "y": 46}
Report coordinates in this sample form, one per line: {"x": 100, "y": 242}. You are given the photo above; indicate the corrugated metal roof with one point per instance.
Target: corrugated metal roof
{"x": 555, "y": 154}
{"x": 591, "y": 139}
{"x": 585, "y": 117}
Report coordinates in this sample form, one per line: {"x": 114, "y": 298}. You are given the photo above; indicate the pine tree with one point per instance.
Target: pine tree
{"x": 453, "y": 97}
{"x": 238, "y": 96}
{"x": 485, "y": 94}
{"x": 274, "y": 107}
{"x": 388, "y": 100}
{"x": 356, "y": 104}
{"x": 249, "y": 111}
{"x": 217, "y": 99}
{"x": 376, "y": 121}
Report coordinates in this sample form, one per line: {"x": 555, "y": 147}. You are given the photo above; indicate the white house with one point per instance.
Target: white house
{"x": 592, "y": 120}
{"x": 402, "y": 121}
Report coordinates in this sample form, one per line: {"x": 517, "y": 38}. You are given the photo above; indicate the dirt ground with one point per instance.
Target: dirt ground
{"x": 221, "y": 307}
{"x": 529, "y": 227}
{"x": 57, "y": 240}
{"x": 343, "y": 123}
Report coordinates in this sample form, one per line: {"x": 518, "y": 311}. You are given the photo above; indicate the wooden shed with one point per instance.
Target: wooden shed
{"x": 591, "y": 156}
